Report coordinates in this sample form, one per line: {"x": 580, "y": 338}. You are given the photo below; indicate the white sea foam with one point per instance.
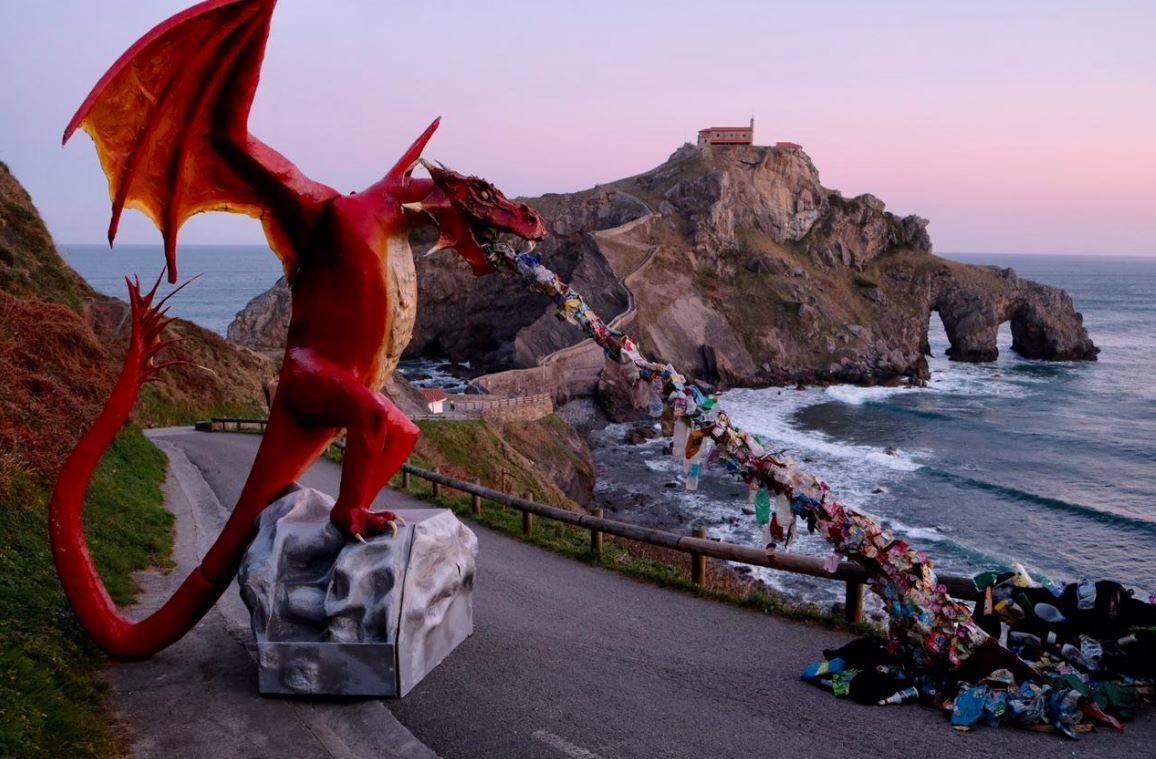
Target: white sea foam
{"x": 767, "y": 413}
{"x": 432, "y": 374}
{"x": 663, "y": 464}
{"x": 922, "y": 534}
{"x": 857, "y": 396}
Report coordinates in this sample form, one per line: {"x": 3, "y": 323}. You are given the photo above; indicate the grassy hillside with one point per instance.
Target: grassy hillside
{"x": 60, "y": 351}
{"x": 503, "y": 459}
{"x": 29, "y": 264}
{"x": 51, "y": 702}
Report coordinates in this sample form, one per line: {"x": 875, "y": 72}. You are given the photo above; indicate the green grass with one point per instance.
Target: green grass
{"x": 51, "y": 702}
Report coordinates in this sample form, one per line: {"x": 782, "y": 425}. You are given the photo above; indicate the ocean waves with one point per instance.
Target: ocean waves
{"x": 769, "y": 413}
{"x": 1105, "y": 514}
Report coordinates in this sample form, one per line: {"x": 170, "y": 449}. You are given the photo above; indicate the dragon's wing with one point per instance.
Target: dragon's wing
{"x": 170, "y": 123}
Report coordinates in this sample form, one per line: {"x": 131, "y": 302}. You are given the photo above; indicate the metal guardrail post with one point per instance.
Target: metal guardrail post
{"x": 527, "y": 519}
{"x": 698, "y": 561}
{"x": 596, "y": 536}
{"x": 853, "y": 604}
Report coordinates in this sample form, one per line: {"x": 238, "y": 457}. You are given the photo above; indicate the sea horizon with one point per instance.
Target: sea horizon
{"x": 264, "y": 247}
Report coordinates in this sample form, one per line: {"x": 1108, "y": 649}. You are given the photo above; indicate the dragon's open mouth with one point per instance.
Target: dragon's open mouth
{"x": 471, "y": 215}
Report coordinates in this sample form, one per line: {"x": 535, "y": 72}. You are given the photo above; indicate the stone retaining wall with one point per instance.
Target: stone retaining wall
{"x": 520, "y": 412}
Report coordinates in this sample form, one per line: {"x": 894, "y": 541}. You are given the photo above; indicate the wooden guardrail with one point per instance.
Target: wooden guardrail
{"x": 698, "y": 545}
{"x": 232, "y": 424}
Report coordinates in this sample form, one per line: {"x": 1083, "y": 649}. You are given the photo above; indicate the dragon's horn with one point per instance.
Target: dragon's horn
{"x": 410, "y": 159}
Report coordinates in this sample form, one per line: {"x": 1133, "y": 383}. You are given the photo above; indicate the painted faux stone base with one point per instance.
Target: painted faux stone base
{"x": 338, "y": 617}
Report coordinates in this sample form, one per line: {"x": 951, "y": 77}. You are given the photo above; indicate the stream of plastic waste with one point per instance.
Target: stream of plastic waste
{"x": 927, "y": 627}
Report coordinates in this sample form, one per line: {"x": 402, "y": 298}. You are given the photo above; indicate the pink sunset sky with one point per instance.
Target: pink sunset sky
{"x": 1022, "y": 127}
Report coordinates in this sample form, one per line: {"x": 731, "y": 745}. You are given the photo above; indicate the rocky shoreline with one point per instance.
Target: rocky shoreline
{"x": 628, "y": 489}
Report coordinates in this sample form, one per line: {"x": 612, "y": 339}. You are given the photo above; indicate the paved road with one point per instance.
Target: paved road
{"x": 571, "y": 660}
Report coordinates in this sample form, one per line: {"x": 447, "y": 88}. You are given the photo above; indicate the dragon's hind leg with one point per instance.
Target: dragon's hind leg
{"x": 379, "y": 437}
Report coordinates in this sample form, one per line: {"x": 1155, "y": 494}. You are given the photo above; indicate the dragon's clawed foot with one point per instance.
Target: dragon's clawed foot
{"x": 363, "y": 523}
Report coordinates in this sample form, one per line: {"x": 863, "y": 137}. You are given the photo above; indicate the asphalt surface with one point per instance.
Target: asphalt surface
{"x": 567, "y": 660}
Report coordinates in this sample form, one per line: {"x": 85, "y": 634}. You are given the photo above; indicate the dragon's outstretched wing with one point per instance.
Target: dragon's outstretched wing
{"x": 170, "y": 123}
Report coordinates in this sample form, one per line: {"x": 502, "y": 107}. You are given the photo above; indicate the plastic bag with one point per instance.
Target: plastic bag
{"x": 763, "y": 506}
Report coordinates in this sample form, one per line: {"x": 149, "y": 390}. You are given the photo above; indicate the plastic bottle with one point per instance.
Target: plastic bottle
{"x": 1086, "y": 595}
{"x": 692, "y": 476}
{"x": 1038, "y": 639}
{"x": 902, "y": 697}
{"x": 1049, "y": 614}
{"x": 1092, "y": 651}
{"x": 1075, "y": 656}
{"x": 1025, "y": 639}
{"x": 656, "y": 397}
{"x": 1009, "y": 610}
{"x": 1138, "y": 635}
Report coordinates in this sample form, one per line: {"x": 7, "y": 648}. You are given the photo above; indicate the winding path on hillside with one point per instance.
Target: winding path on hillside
{"x": 567, "y": 660}
{"x": 616, "y": 234}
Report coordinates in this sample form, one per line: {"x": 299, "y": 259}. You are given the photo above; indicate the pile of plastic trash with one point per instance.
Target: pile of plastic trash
{"x": 1060, "y": 658}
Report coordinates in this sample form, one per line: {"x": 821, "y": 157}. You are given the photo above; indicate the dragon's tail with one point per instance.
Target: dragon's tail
{"x": 121, "y": 637}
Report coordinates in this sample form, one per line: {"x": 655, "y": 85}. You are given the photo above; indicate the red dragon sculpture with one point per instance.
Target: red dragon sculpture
{"x": 170, "y": 124}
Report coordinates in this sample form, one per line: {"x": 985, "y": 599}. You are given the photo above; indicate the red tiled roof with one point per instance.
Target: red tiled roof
{"x": 433, "y": 394}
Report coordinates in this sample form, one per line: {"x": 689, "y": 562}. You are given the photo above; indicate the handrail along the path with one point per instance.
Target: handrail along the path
{"x": 847, "y": 571}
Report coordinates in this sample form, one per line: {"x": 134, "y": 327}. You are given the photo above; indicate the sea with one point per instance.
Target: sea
{"x": 1052, "y": 465}
{"x": 224, "y": 277}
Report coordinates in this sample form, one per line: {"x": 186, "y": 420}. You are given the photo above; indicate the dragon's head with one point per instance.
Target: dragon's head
{"x": 471, "y": 213}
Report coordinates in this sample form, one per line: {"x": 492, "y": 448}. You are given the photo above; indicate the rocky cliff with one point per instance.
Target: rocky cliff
{"x": 738, "y": 266}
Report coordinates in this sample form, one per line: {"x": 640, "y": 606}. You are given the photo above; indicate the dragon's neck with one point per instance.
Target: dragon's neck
{"x": 401, "y": 286}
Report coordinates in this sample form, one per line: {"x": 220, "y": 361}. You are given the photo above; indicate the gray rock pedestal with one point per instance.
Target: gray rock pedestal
{"x": 338, "y": 617}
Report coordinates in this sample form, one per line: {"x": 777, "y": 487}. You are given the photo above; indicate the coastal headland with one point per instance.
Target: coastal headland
{"x": 736, "y": 265}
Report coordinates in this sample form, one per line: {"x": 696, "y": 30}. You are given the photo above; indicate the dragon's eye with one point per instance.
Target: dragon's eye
{"x": 485, "y": 194}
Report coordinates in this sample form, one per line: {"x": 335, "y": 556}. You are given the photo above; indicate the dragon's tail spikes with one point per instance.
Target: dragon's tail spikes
{"x": 150, "y": 319}
{"x": 176, "y": 289}
{"x": 78, "y": 575}
{"x": 157, "y": 285}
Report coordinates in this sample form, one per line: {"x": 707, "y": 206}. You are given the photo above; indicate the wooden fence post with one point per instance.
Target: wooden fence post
{"x": 596, "y": 536}
{"x": 853, "y": 605}
{"x": 436, "y": 487}
{"x": 404, "y": 480}
{"x": 527, "y": 523}
{"x": 698, "y": 561}
{"x": 476, "y": 503}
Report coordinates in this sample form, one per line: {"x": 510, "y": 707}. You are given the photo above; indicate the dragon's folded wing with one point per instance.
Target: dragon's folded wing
{"x": 170, "y": 123}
